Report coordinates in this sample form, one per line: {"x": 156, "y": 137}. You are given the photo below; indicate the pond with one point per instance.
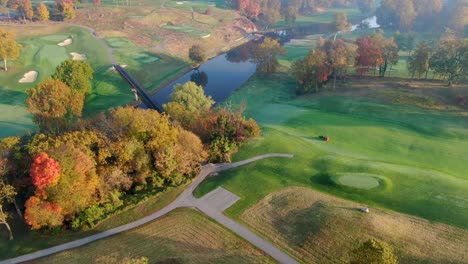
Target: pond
{"x": 223, "y": 74}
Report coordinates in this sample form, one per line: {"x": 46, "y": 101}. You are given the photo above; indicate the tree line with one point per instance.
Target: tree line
{"x": 59, "y": 10}
{"x": 448, "y": 60}
{"x": 269, "y": 12}
{"x": 75, "y": 172}
{"x": 406, "y": 15}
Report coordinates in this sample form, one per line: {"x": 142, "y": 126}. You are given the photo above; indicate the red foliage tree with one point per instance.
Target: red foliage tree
{"x": 44, "y": 171}
{"x": 97, "y": 3}
{"x": 369, "y": 55}
{"x": 253, "y": 8}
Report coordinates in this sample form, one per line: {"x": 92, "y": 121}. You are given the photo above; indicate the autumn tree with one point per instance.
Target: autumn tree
{"x": 341, "y": 23}
{"x": 458, "y": 15}
{"x": 311, "y": 71}
{"x": 44, "y": 171}
{"x": 7, "y": 194}
{"x": 290, "y": 14}
{"x": 366, "y": 6}
{"x": 26, "y": 10}
{"x": 338, "y": 57}
{"x": 399, "y": 13}
{"x": 97, "y": 3}
{"x": 42, "y": 12}
{"x": 389, "y": 50}
{"x": 373, "y": 251}
{"x": 197, "y": 54}
{"x": 418, "y": 62}
{"x": 265, "y": 55}
{"x": 54, "y": 105}
{"x": 270, "y": 12}
{"x": 9, "y": 49}
{"x": 368, "y": 55}
{"x": 65, "y": 9}
{"x": 40, "y": 213}
{"x": 76, "y": 74}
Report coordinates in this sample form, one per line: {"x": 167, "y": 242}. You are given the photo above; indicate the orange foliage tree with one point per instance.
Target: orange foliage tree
{"x": 41, "y": 213}
{"x": 44, "y": 171}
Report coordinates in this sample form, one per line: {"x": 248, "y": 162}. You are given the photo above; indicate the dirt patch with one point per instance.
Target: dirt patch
{"x": 320, "y": 228}
{"x": 65, "y": 42}
{"x": 29, "y": 77}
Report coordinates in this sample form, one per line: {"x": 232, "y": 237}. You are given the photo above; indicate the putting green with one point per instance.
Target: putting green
{"x": 357, "y": 180}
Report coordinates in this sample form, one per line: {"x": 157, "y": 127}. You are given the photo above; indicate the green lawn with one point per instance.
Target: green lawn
{"x": 40, "y": 52}
{"x": 420, "y": 153}
{"x": 327, "y": 16}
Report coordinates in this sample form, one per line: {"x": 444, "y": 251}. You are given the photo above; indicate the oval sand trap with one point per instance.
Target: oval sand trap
{"x": 78, "y": 56}
{"x": 358, "y": 180}
{"x": 29, "y": 77}
{"x": 65, "y": 42}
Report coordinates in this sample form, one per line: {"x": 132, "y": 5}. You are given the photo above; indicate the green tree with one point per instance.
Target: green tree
{"x": 54, "y": 105}
{"x": 75, "y": 74}
{"x": 197, "y": 54}
{"x": 404, "y": 41}
{"x": 418, "y": 62}
{"x": 373, "y": 252}
{"x": 450, "y": 59}
{"x": 42, "y": 12}
{"x": 7, "y": 194}
{"x": 265, "y": 55}
{"x": 187, "y": 101}
{"x": 9, "y": 49}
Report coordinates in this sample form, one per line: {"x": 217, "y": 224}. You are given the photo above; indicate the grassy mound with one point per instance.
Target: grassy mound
{"x": 357, "y": 180}
{"x": 319, "y": 228}
{"x": 183, "y": 236}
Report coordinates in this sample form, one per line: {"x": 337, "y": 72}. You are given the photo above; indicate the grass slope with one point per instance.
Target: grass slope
{"x": 319, "y": 228}
{"x": 183, "y": 236}
{"x": 419, "y": 152}
{"x": 41, "y": 53}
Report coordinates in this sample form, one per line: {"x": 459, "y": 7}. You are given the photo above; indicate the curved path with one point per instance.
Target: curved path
{"x": 186, "y": 199}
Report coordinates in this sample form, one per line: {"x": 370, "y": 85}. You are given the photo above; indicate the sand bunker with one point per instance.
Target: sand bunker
{"x": 78, "y": 56}
{"x": 29, "y": 77}
{"x": 65, "y": 42}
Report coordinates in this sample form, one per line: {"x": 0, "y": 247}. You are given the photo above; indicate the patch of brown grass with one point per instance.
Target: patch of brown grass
{"x": 320, "y": 228}
{"x": 182, "y": 236}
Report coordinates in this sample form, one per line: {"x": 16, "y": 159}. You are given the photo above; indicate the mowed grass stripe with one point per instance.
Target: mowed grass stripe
{"x": 319, "y": 228}
{"x": 183, "y": 236}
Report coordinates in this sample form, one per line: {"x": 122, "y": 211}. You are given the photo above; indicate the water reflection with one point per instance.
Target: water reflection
{"x": 199, "y": 77}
